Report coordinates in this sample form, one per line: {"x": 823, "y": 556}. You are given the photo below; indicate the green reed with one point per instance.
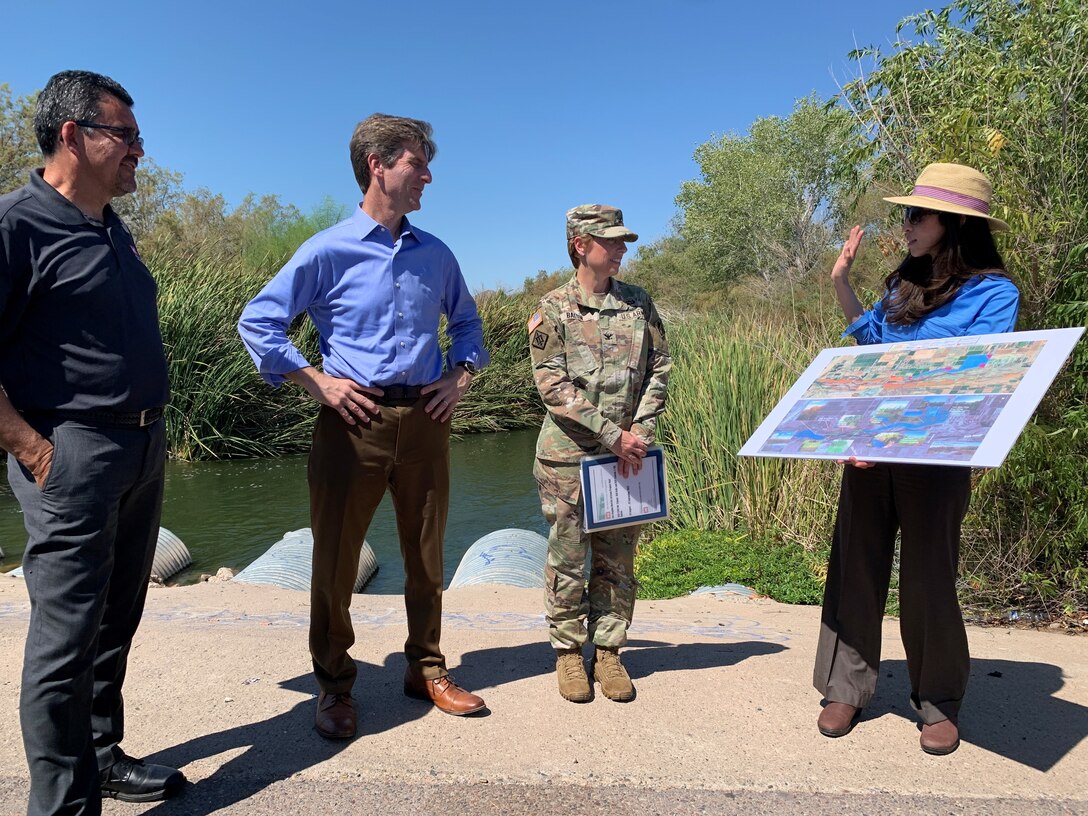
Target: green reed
{"x": 729, "y": 371}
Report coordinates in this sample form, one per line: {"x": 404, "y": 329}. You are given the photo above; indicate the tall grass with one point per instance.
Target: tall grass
{"x": 220, "y": 407}
{"x": 729, "y": 371}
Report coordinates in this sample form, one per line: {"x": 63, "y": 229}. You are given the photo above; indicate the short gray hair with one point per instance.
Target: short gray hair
{"x": 387, "y": 136}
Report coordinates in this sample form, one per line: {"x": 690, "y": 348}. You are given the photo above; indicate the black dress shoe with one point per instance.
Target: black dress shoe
{"x": 132, "y": 780}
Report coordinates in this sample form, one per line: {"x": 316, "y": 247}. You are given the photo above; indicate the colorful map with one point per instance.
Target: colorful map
{"x": 938, "y": 401}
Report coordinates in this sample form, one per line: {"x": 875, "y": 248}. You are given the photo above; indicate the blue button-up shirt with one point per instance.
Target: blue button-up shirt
{"x": 376, "y": 303}
{"x": 985, "y": 304}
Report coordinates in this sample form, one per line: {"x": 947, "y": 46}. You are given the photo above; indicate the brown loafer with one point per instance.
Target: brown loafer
{"x": 446, "y": 695}
{"x": 838, "y": 719}
{"x": 940, "y": 738}
{"x": 335, "y": 716}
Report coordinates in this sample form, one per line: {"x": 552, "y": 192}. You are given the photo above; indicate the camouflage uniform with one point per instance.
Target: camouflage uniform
{"x": 601, "y": 364}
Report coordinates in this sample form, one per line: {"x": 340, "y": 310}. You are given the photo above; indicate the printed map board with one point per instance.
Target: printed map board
{"x": 954, "y": 401}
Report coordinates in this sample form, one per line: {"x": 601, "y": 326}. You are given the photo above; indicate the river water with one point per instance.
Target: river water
{"x": 228, "y": 513}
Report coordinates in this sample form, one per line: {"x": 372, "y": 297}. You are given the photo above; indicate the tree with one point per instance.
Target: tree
{"x": 19, "y": 152}
{"x": 767, "y": 201}
{"x": 1001, "y": 85}
{"x": 158, "y": 191}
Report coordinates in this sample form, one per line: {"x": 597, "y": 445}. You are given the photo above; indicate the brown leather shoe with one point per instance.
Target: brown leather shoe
{"x": 838, "y": 719}
{"x": 940, "y": 738}
{"x": 446, "y": 695}
{"x": 335, "y": 716}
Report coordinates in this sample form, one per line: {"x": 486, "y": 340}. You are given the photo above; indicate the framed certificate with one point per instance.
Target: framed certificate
{"x": 612, "y": 501}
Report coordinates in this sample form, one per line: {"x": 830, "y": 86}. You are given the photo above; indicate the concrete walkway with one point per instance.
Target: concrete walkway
{"x": 724, "y": 721}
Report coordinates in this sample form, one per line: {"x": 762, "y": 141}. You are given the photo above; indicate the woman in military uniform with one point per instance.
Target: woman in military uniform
{"x": 601, "y": 364}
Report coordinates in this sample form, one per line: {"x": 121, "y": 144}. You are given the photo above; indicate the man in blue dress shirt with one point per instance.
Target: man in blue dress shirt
{"x": 375, "y": 287}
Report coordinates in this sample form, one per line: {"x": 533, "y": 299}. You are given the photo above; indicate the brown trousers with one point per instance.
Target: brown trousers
{"x": 926, "y": 504}
{"x": 349, "y": 470}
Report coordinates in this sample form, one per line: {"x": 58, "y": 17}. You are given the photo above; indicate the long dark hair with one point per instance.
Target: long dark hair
{"x": 920, "y": 285}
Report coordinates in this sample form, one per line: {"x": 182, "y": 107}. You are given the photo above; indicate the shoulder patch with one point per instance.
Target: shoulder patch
{"x": 535, "y": 320}
{"x": 540, "y": 339}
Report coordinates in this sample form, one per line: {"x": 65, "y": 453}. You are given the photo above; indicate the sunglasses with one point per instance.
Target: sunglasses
{"x": 129, "y": 135}
{"x": 915, "y": 215}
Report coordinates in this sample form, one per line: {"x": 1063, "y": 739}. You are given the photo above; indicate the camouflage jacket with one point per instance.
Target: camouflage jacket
{"x": 601, "y": 365}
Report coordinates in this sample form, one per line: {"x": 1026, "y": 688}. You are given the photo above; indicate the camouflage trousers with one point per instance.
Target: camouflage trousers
{"x": 601, "y": 609}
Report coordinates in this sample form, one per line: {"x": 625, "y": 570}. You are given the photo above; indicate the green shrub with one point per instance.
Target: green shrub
{"x": 678, "y": 563}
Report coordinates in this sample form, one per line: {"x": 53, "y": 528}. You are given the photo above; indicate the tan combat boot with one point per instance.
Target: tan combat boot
{"x": 573, "y": 683}
{"x": 613, "y": 677}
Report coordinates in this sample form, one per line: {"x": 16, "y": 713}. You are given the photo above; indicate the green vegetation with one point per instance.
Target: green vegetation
{"x": 727, "y": 375}
{"x": 677, "y": 563}
{"x": 742, "y": 282}
{"x": 991, "y": 83}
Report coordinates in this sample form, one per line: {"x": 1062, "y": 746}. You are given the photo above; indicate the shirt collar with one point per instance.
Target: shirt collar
{"x": 60, "y": 207}
{"x": 365, "y": 225}
{"x": 595, "y": 300}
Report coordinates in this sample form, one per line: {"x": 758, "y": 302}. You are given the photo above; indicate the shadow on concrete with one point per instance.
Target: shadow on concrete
{"x": 281, "y": 746}
{"x": 645, "y": 657}
{"x": 1010, "y": 709}
{"x": 490, "y": 668}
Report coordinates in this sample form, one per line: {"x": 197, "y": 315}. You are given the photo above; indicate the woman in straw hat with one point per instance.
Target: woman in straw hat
{"x": 952, "y": 283}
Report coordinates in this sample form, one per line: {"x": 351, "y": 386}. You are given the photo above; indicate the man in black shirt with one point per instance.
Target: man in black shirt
{"x": 83, "y": 378}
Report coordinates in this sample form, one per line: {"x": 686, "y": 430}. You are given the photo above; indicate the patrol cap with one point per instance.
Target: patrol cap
{"x": 598, "y": 220}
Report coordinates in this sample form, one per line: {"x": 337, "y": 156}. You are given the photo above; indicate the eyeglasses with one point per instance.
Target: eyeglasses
{"x": 915, "y": 215}
{"x": 129, "y": 135}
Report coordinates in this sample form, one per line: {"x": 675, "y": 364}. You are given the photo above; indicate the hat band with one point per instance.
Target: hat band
{"x": 953, "y": 198}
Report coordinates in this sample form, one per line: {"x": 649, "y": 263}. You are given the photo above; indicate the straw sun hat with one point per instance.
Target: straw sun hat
{"x": 952, "y": 188}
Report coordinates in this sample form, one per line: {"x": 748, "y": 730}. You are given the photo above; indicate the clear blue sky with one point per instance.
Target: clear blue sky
{"x": 536, "y": 106}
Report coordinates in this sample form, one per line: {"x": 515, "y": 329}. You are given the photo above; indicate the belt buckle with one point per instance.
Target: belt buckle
{"x": 143, "y": 417}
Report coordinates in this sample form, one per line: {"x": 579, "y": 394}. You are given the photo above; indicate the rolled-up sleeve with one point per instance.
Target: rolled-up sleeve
{"x": 869, "y": 328}
{"x": 266, "y": 318}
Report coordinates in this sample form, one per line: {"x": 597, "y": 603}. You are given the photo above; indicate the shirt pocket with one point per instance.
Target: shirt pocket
{"x": 583, "y": 357}
{"x": 635, "y": 336}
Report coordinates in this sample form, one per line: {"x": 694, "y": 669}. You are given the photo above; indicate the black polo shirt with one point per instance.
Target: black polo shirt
{"x": 79, "y": 327}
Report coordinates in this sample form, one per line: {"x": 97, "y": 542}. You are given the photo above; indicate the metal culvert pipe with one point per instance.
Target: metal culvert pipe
{"x": 171, "y": 556}
{"x": 289, "y": 563}
{"x": 512, "y": 557}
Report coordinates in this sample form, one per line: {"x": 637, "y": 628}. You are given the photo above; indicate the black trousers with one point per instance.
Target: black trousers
{"x": 926, "y": 504}
{"x": 92, "y": 532}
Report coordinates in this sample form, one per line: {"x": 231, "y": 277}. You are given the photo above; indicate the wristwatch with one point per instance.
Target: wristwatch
{"x": 469, "y": 367}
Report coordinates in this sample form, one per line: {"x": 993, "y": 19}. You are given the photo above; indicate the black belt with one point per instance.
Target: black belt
{"x": 109, "y": 419}
{"x": 398, "y": 395}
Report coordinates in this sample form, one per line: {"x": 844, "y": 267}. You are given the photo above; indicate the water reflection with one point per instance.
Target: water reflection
{"x": 228, "y": 513}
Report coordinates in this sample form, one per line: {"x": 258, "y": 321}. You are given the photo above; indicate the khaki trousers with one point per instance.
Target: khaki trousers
{"x": 350, "y": 468}
{"x": 926, "y": 504}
